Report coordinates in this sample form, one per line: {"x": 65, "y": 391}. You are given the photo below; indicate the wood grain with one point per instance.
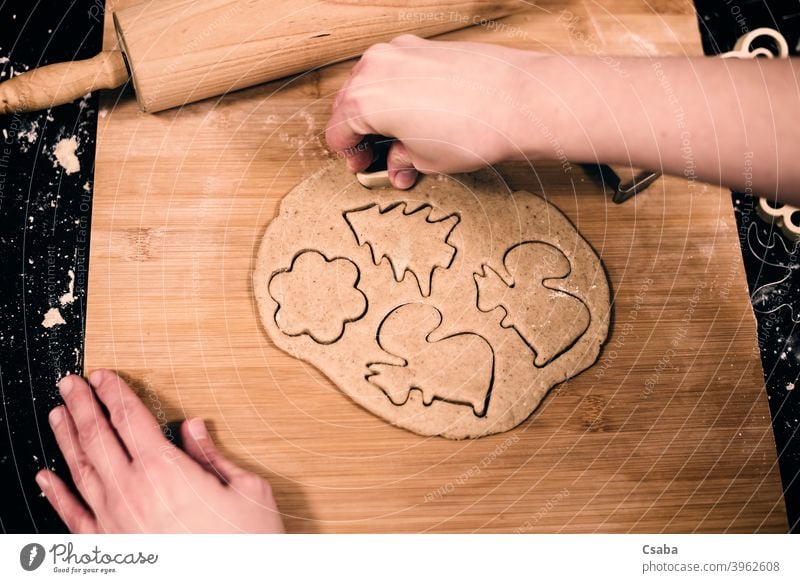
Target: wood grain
{"x": 655, "y": 437}
{"x": 185, "y": 50}
{"x": 60, "y": 83}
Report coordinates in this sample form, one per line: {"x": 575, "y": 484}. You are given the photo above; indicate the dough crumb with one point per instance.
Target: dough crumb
{"x": 65, "y": 155}
{"x": 31, "y": 134}
{"x": 69, "y": 297}
{"x": 53, "y": 318}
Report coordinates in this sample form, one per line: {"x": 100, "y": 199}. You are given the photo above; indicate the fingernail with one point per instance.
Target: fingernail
{"x": 42, "y": 481}
{"x": 65, "y": 385}
{"x": 197, "y": 428}
{"x": 96, "y": 377}
{"x": 351, "y": 165}
{"x": 405, "y": 179}
{"x": 56, "y": 416}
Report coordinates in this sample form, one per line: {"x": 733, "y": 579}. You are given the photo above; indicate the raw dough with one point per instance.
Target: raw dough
{"x": 450, "y": 309}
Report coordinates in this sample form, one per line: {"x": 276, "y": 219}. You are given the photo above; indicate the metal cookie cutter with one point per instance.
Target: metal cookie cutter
{"x": 625, "y": 187}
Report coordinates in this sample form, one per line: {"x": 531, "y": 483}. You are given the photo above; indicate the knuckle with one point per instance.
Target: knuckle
{"x": 88, "y": 432}
{"x": 117, "y": 414}
{"x": 83, "y": 474}
{"x": 375, "y": 50}
{"x": 168, "y": 453}
{"x": 252, "y": 483}
{"x": 350, "y": 107}
{"x": 210, "y": 454}
{"x": 406, "y": 39}
{"x": 123, "y": 414}
{"x": 345, "y": 97}
{"x": 82, "y": 524}
{"x": 150, "y": 461}
{"x": 82, "y": 468}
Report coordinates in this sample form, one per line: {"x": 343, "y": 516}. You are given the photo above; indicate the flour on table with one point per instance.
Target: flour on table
{"x": 65, "y": 155}
{"x": 69, "y": 297}
{"x": 28, "y": 136}
{"x": 644, "y": 45}
{"x": 52, "y": 318}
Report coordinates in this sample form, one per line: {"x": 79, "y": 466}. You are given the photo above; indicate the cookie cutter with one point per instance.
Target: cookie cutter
{"x": 784, "y": 216}
{"x": 625, "y": 189}
{"x": 743, "y": 49}
{"x": 377, "y": 174}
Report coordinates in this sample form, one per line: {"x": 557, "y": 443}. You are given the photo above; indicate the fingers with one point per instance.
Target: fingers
{"x": 83, "y": 473}
{"x": 346, "y": 132}
{"x": 132, "y": 420}
{"x": 402, "y": 173}
{"x": 348, "y": 142}
{"x": 76, "y": 516}
{"x": 198, "y": 444}
{"x": 407, "y": 40}
{"x": 95, "y": 435}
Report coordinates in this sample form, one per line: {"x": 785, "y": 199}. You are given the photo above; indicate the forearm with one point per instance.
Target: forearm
{"x": 723, "y": 121}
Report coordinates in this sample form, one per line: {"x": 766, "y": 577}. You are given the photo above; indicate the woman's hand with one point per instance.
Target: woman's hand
{"x": 451, "y": 105}
{"x": 132, "y": 479}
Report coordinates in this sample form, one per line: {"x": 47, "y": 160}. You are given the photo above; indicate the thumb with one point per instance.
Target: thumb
{"x": 402, "y": 173}
{"x": 198, "y": 444}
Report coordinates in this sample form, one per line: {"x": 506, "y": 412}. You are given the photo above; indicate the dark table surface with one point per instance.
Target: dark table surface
{"x": 45, "y": 216}
{"x": 770, "y": 259}
{"x": 44, "y": 224}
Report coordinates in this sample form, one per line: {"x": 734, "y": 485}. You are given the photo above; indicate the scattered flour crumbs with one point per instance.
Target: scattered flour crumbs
{"x": 65, "y": 155}
{"x": 52, "y": 318}
{"x": 69, "y": 297}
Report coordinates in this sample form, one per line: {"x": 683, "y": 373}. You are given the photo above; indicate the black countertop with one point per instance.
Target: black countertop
{"x": 45, "y": 215}
{"x": 770, "y": 259}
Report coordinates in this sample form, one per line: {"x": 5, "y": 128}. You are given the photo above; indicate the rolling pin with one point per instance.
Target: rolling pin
{"x": 180, "y": 51}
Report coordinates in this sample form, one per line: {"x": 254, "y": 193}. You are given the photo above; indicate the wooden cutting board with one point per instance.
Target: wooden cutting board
{"x": 669, "y": 431}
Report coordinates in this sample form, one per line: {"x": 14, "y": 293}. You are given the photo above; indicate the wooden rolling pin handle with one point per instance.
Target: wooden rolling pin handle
{"x": 62, "y": 82}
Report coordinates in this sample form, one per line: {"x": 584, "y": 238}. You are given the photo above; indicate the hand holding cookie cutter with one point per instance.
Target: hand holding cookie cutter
{"x": 377, "y": 175}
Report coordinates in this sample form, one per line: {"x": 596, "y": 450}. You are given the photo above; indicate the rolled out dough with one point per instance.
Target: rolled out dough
{"x": 450, "y": 309}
